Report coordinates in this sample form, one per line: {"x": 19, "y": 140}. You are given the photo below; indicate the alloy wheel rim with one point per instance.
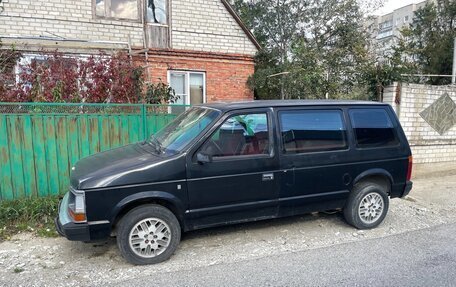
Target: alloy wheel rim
{"x": 371, "y": 208}
{"x": 150, "y": 237}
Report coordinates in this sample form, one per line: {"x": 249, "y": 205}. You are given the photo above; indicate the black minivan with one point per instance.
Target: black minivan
{"x": 226, "y": 163}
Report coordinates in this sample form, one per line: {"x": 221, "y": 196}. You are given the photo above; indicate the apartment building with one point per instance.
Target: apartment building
{"x": 386, "y": 28}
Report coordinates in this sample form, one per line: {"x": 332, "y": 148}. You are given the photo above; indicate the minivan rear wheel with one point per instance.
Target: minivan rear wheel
{"x": 367, "y": 205}
{"x": 148, "y": 234}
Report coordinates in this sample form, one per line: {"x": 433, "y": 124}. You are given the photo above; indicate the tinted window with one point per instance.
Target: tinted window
{"x": 373, "y": 128}
{"x": 240, "y": 135}
{"x": 311, "y": 130}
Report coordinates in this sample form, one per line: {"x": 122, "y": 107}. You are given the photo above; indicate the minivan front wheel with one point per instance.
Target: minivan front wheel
{"x": 148, "y": 234}
{"x": 367, "y": 206}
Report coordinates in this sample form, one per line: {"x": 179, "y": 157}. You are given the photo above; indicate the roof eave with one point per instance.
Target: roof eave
{"x": 241, "y": 24}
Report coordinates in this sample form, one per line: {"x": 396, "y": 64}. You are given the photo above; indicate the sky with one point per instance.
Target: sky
{"x": 390, "y": 5}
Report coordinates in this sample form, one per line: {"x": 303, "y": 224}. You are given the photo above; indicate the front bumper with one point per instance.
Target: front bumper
{"x": 407, "y": 189}
{"x": 73, "y": 231}
{"x": 89, "y": 231}
{"x": 67, "y": 228}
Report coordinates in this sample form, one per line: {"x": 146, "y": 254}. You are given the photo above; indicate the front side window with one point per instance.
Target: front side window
{"x": 119, "y": 9}
{"x": 174, "y": 137}
{"x": 240, "y": 135}
{"x": 373, "y": 128}
{"x": 312, "y": 130}
{"x": 157, "y": 12}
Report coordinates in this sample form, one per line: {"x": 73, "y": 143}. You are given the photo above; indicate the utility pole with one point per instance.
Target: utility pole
{"x": 327, "y": 80}
{"x": 453, "y": 78}
{"x": 282, "y": 89}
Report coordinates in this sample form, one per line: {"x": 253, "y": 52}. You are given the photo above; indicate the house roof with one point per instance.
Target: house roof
{"x": 241, "y": 24}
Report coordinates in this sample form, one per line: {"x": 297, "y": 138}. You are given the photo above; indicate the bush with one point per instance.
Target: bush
{"x": 8, "y": 60}
{"x": 99, "y": 78}
{"x": 160, "y": 93}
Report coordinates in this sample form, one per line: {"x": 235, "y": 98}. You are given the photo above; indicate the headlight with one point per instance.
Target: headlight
{"x": 76, "y": 206}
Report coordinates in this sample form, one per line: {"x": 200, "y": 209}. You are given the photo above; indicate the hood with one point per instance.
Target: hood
{"x": 131, "y": 164}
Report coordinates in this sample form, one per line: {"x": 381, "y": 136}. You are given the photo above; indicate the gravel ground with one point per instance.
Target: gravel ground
{"x": 424, "y": 257}
{"x": 27, "y": 260}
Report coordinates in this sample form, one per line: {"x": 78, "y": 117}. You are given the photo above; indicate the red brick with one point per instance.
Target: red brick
{"x": 226, "y": 74}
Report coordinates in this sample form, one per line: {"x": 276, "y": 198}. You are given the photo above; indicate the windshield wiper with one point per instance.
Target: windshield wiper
{"x": 156, "y": 144}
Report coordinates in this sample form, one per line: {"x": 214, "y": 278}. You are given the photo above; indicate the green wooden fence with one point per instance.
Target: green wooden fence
{"x": 40, "y": 142}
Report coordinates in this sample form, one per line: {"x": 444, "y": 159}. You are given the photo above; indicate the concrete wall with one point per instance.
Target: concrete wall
{"x": 429, "y": 144}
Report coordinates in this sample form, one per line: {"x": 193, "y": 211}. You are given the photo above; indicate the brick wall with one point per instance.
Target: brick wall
{"x": 206, "y": 25}
{"x": 409, "y": 100}
{"x": 71, "y": 19}
{"x": 198, "y": 25}
{"x": 226, "y": 74}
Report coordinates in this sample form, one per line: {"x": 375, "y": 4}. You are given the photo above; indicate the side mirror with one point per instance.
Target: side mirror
{"x": 203, "y": 158}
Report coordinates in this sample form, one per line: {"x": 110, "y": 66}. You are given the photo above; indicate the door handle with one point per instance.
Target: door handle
{"x": 268, "y": 176}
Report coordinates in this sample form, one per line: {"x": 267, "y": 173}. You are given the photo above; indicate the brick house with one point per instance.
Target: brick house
{"x": 200, "y": 47}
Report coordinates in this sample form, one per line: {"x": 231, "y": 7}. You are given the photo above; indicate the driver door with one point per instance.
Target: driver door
{"x": 239, "y": 183}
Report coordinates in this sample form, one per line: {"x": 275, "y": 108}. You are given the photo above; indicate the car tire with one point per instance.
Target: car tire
{"x": 367, "y": 205}
{"x": 148, "y": 234}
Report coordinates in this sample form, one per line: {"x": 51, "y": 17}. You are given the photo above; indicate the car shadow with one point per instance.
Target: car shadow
{"x": 108, "y": 248}
{"x": 264, "y": 224}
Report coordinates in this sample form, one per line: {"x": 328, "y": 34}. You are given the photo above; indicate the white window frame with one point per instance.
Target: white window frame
{"x": 187, "y": 82}
{"x": 26, "y": 59}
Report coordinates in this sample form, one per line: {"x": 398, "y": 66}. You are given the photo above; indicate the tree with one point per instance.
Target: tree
{"x": 320, "y": 44}
{"x": 427, "y": 44}
{"x": 276, "y": 25}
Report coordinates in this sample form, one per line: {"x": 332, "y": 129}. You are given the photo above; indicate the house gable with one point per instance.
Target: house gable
{"x": 210, "y": 26}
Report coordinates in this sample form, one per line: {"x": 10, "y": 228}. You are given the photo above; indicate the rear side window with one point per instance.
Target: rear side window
{"x": 312, "y": 130}
{"x": 373, "y": 128}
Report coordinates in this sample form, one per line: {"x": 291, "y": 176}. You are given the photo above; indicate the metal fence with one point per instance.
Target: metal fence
{"x": 40, "y": 142}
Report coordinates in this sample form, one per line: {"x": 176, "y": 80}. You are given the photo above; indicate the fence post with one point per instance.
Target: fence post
{"x": 144, "y": 119}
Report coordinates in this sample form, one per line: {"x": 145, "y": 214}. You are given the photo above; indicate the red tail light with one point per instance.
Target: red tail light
{"x": 409, "y": 169}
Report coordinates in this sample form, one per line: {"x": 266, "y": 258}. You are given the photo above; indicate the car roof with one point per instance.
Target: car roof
{"x": 286, "y": 103}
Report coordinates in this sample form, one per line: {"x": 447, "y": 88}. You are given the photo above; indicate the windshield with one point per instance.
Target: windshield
{"x": 176, "y": 135}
